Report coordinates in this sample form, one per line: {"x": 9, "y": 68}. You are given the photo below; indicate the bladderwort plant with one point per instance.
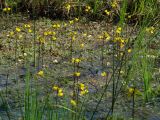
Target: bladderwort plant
{"x": 141, "y": 62}
{"x": 4, "y": 103}
{"x": 34, "y": 36}
{"x": 76, "y": 75}
{"x": 146, "y": 76}
{"x": 114, "y": 49}
{"x": 49, "y": 108}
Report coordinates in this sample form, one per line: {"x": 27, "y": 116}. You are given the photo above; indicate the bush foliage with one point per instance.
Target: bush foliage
{"x": 136, "y": 9}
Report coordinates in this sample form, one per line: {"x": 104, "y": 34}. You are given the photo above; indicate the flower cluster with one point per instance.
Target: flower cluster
{"x": 76, "y": 60}
{"x": 68, "y": 7}
{"x": 77, "y": 74}
{"x": 28, "y": 27}
{"x": 83, "y": 89}
{"x": 73, "y": 102}
{"x": 107, "y": 12}
{"x": 7, "y": 9}
{"x": 103, "y": 74}
{"x": 58, "y": 90}
{"x": 150, "y": 30}
{"x": 40, "y": 73}
{"x": 88, "y": 8}
{"x": 114, "y": 4}
{"x": 118, "y": 30}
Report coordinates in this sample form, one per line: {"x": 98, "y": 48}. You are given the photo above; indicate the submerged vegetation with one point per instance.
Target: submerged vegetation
{"x": 79, "y": 59}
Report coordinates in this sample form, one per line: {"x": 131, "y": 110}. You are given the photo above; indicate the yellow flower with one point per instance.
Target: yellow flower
{"x": 82, "y": 45}
{"x": 68, "y": 7}
{"x": 65, "y": 24}
{"x": 121, "y": 41}
{"x": 54, "y": 38}
{"x": 41, "y": 40}
{"x": 73, "y": 60}
{"x": 56, "y": 26}
{"x": 29, "y": 30}
{"x": 83, "y": 92}
{"x": 88, "y": 8}
{"x": 83, "y": 89}
{"x": 9, "y": 9}
{"x": 131, "y": 90}
{"x": 100, "y": 37}
{"x": 84, "y": 34}
{"x": 60, "y": 90}
{"x": 114, "y": 4}
{"x": 40, "y": 73}
{"x": 77, "y": 74}
{"x": 71, "y": 21}
{"x": 73, "y": 102}
{"x": 122, "y": 72}
{"x": 119, "y": 29}
{"x": 76, "y": 19}
{"x": 107, "y": 12}
{"x": 53, "y": 33}
{"x": 107, "y": 36}
{"x": 129, "y": 16}
{"x": 27, "y": 26}
{"x": 82, "y": 86}
{"x": 11, "y": 33}
{"x": 4, "y": 9}
{"x": 18, "y": 29}
{"x": 75, "y": 33}
{"x": 45, "y": 33}
{"x": 73, "y": 38}
{"x": 49, "y": 32}
{"x": 55, "y": 88}
{"x": 25, "y": 54}
{"x": 129, "y": 50}
{"x": 60, "y": 94}
{"x": 103, "y": 74}
{"x": 20, "y": 36}
{"x": 117, "y": 39}
{"x": 150, "y": 30}
{"x": 77, "y": 60}
{"x": 121, "y": 45}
